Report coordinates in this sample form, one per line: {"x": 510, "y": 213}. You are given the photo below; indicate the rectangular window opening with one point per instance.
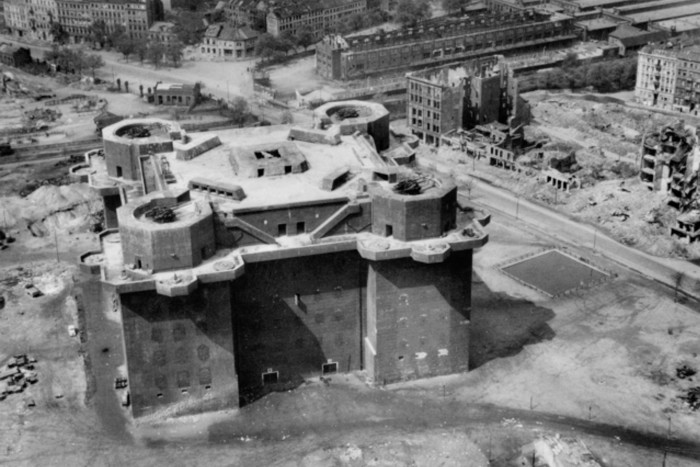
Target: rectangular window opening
{"x": 282, "y": 229}
{"x": 261, "y": 172}
{"x": 329, "y": 368}
{"x": 287, "y": 169}
{"x": 270, "y": 377}
{"x": 388, "y": 230}
{"x": 301, "y": 227}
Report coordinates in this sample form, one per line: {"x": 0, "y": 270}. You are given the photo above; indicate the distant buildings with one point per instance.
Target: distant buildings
{"x": 315, "y": 16}
{"x": 669, "y": 78}
{"x": 437, "y": 42}
{"x": 228, "y": 42}
{"x": 32, "y": 19}
{"x": 479, "y": 92}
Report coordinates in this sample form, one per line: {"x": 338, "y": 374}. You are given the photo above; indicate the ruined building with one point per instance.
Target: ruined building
{"x": 250, "y": 259}
{"x": 441, "y": 41}
{"x": 669, "y": 164}
{"x": 481, "y": 92}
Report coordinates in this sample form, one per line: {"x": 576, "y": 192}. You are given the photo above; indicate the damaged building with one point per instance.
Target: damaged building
{"x": 670, "y": 162}
{"x": 479, "y": 93}
{"x": 441, "y": 41}
{"x": 239, "y": 267}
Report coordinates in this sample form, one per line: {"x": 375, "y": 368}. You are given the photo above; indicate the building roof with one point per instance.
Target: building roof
{"x": 295, "y": 7}
{"x": 229, "y": 32}
{"x": 631, "y": 36}
{"x": 162, "y": 26}
{"x": 174, "y": 87}
{"x": 666, "y": 13}
{"x": 597, "y": 24}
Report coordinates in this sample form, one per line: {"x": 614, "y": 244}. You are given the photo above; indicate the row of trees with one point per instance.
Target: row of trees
{"x": 608, "y": 76}
{"x": 74, "y": 60}
{"x": 155, "y": 51}
{"x": 117, "y": 38}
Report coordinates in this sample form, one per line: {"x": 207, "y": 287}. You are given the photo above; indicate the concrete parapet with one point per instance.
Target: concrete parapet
{"x": 195, "y": 147}
{"x": 128, "y": 139}
{"x": 352, "y": 116}
{"x": 178, "y": 286}
{"x": 79, "y": 177}
{"x": 90, "y": 268}
{"x": 311, "y": 135}
{"x": 430, "y": 253}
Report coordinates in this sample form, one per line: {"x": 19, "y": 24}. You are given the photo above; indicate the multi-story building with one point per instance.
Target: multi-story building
{"x": 228, "y": 42}
{"x": 669, "y": 78}
{"x": 30, "y": 19}
{"x": 162, "y": 31}
{"x": 656, "y": 77}
{"x": 135, "y": 16}
{"x": 478, "y": 92}
{"x": 318, "y": 16}
{"x": 269, "y": 262}
{"x": 247, "y": 12}
{"x": 448, "y": 40}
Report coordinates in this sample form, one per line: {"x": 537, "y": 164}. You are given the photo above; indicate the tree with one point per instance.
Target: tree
{"x": 93, "y": 62}
{"x": 305, "y": 38}
{"x": 189, "y": 27}
{"x": 410, "y": 12}
{"x": 97, "y": 32}
{"x": 238, "y": 110}
{"x": 117, "y": 35}
{"x": 287, "y": 117}
{"x": 570, "y": 60}
{"x": 174, "y": 51}
{"x": 126, "y": 46}
{"x": 156, "y": 51}
{"x": 59, "y": 34}
{"x": 141, "y": 51}
{"x": 267, "y": 46}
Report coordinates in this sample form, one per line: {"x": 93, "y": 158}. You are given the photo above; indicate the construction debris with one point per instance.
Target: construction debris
{"x": 16, "y": 375}
{"x": 685, "y": 371}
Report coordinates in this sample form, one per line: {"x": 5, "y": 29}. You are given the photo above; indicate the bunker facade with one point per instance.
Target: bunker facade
{"x": 231, "y": 284}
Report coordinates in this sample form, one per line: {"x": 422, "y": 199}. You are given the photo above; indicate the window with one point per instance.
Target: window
{"x": 388, "y": 230}
{"x": 301, "y": 227}
{"x": 119, "y": 171}
{"x": 270, "y": 377}
{"x": 282, "y": 229}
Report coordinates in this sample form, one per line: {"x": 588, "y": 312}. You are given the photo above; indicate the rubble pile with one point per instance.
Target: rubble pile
{"x": 16, "y": 375}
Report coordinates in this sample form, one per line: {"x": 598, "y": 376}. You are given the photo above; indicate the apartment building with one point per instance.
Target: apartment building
{"x": 318, "y": 17}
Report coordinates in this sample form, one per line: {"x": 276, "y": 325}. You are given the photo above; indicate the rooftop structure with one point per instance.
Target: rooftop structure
{"x": 362, "y": 262}
{"x": 441, "y": 41}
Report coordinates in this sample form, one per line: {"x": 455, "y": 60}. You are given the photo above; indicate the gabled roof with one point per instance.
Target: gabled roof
{"x": 229, "y": 32}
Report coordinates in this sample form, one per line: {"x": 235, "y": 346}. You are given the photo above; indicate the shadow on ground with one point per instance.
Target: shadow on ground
{"x": 502, "y": 325}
